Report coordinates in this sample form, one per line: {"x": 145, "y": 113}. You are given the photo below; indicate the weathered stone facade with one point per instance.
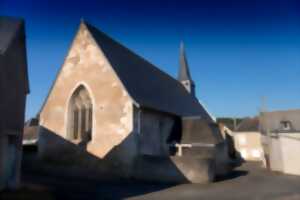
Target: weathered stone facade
{"x": 112, "y": 123}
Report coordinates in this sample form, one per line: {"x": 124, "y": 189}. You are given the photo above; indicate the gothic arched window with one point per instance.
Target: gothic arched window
{"x": 80, "y": 116}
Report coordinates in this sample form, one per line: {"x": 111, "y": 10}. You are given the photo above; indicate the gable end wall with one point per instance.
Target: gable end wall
{"x": 112, "y": 131}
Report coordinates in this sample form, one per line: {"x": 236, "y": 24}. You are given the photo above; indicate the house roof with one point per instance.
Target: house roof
{"x": 32, "y": 122}
{"x": 147, "y": 85}
{"x": 31, "y": 129}
{"x": 8, "y": 30}
{"x": 272, "y": 121}
{"x": 248, "y": 125}
{"x": 12, "y": 30}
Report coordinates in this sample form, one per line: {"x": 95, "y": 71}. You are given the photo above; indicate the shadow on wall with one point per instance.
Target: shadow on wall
{"x": 51, "y": 180}
{"x": 118, "y": 164}
{"x": 233, "y": 153}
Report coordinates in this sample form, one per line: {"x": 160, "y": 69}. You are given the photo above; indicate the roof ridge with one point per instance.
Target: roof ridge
{"x": 281, "y": 111}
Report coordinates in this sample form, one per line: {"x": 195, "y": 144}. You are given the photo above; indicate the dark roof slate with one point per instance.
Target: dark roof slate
{"x": 12, "y": 41}
{"x": 272, "y": 121}
{"x": 8, "y": 29}
{"x": 147, "y": 85}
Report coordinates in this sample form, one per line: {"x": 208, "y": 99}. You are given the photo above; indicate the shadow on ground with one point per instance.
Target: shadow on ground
{"x": 49, "y": 183}
{"x": 248, "y": 182}
{"x": 234, "y": 174}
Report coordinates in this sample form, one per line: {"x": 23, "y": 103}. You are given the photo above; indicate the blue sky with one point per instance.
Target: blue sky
{"x": 238, "y": 51}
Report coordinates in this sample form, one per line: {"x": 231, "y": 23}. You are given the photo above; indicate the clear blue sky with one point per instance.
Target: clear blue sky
{"x": 238, "y": 51}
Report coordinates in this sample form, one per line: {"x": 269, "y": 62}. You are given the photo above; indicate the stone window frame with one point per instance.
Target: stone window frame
{"x": 71, "y": 136}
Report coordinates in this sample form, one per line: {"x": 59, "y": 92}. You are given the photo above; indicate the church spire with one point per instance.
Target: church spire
{"x": 184, "y": 75}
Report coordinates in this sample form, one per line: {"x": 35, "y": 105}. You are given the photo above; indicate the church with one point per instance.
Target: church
{"x": 111, "y": 110}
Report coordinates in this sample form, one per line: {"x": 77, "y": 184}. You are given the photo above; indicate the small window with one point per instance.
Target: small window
{"x": 285, "y": 125}
{"x": 139, "y": 127}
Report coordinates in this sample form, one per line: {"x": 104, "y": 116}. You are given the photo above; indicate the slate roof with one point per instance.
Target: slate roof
{"x": 271, "y": 121}
{"x": 12, "y": 30}
{"x": 248, "y": 125}
{"x": 146, "y": 84}
{"x": 8, "y": 29}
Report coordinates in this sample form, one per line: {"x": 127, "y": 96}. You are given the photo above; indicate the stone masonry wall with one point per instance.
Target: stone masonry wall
{"x": 86, "y": 65}
{"x": 153, "y": 129}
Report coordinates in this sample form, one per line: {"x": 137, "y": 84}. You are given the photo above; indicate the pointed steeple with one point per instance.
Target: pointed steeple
{"x": 184, "y": 72}
{"x": 184, "y": 75}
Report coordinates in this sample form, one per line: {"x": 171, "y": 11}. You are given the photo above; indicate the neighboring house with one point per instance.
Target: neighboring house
{"x": 110, "y": 108}
{"x": 247, "y": 139}
{"x": 286, "y": 121}
{"x": 14, "y": 87}
{"x": 229, "y": 122}
{"x": 30, "y": 135}
{"x": 281, "y": 140}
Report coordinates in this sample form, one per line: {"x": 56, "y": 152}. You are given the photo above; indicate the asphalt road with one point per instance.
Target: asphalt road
{"x": 248, "y": 182}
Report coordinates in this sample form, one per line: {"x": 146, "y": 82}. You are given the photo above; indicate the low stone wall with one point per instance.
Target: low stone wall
{"x": 198, "y": 165}
{"x": 223, "y": 162}
{"x": 174, "y": 169}
{"x": 171, "y": 169}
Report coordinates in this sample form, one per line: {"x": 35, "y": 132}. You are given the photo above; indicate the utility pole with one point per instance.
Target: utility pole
{"x": 263, "y": 110}
{"x": 264, "y": 129}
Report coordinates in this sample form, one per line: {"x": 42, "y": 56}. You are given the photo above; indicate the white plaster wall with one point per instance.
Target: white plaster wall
{"x": 249, "y": 145}
{"x": 275, "y": 156}
{"x": 290, "y": 155}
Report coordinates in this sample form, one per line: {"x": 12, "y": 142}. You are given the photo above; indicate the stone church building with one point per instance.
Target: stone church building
{"x": 112, "y": 109}
{"x": 14, "y": 88}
